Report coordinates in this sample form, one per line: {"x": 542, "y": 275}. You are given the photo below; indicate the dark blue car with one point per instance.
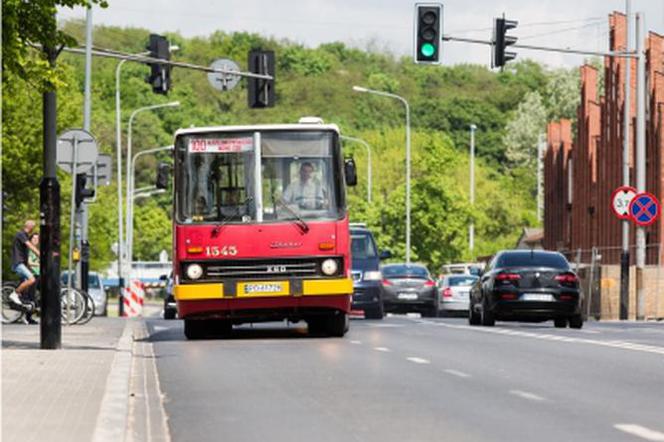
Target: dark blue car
{"x": 367, "y": 287}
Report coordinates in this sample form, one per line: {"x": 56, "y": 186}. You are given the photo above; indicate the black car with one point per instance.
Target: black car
{"x": 170, "y": 307}
{"x": 365, "y": 268}
{"x": 409, "y": 288}
{"x": 527, "y": 285}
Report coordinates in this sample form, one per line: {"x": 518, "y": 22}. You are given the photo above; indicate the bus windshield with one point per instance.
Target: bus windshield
{"x": 217, "y": 178}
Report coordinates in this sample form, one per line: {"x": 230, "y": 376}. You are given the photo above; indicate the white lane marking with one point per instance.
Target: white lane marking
{"x": 356, "y": 342}
{"x": 613, "y": 344}
{"x": 527, "y": 395}
{"x": 159, "y": 328}
{"x": 384, "y": 349}
{"x": 418, "y": 360}
{"x": 642, "y": 432}
{"x": 590, "y": 332}
{"x": 385, "y": 325}
{"x": 457, "y": 373}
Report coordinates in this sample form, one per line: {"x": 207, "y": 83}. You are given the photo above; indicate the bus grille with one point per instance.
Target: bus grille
{"x": 265, "y": 269}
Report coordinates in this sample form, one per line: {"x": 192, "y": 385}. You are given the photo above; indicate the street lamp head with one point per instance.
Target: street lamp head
{"x": 173, "y": 104}
{"x": 174, "y": 48}
{"x": 473, "y": 127}
{"x": 360, "y": 89}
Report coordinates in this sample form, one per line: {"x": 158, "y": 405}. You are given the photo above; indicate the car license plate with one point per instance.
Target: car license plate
{"x": 407, "y": 296}
{"x": 537, "y": 297}
{"x": 267, "y": 288}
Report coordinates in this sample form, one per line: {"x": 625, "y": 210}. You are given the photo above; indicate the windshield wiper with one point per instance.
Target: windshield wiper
{"x": 226, "y": 219}
{"x": 296, "y": 218}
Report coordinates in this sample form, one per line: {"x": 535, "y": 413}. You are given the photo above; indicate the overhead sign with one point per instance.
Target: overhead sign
{"x": 222, "y": 81}
{"x": 644, "y": 209}
{"x": 77, "y": 149}
{"x": 620, "y": 200}
{"x": 221, "y": 145}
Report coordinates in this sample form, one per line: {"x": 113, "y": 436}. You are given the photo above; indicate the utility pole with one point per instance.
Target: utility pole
{"x": 541, "y": 146}
{"x": 640, "y": 163}
{"x": 50, "y": 326}
{"x": 471, "y": 227}
{"x": 84, "y": 264}
{"x": 624, "y": 255}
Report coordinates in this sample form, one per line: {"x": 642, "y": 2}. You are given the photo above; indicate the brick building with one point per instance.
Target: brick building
{"x": 581, "y": 170}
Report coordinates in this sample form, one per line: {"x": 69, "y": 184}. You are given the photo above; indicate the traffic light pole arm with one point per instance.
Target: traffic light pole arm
{"x": 144, "y": 59}
{"x": 545, "y": 48}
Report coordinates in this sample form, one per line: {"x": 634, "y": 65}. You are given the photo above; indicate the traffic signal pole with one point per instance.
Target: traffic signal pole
{"x": 50, "y": 327}
{"x": 624, "y": 254}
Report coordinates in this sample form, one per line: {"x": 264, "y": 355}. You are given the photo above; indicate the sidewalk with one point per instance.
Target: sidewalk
{"x": 80, "y": 393}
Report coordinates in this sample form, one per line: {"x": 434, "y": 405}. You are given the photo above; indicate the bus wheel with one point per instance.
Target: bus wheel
{"x": 316, "y": 325}
{"x": 337, "y": 324}
{"x": 222, "y": 328}
{"x": 195, "y": 328}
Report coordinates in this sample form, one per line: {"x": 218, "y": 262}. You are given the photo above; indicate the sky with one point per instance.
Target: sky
{"x": 386, "y": 25}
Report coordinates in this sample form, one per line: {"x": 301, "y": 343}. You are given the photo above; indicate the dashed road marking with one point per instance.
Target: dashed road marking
{"x": 642, "y": 432}
{"x": 356, "y": 342}
{"x": 418, "y": 360}
{"x": 457, "y": 373}
{"x": 527, "y": 395}
{"x": 383, "y": 349}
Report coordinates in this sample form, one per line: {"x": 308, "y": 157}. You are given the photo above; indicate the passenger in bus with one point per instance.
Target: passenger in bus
{"x": 307, "y": 192}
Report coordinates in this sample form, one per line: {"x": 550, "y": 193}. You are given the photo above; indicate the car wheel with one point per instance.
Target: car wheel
{"x": 169, "y": 313}
{"x": 488, "y": 318}
{"x": 576, "y": 321}
{"x": 375, "y": 313}
{"x": 560, "y": 322}
{"x": 473, "y": 316}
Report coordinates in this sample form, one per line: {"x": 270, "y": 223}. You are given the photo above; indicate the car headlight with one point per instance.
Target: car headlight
{"x": 329, "y": 267}
{"x": 373, "y": 275}
{"x": 194, "y": 271}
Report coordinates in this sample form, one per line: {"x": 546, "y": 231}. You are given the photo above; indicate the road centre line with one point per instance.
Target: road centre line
{"x": 457, "y": 373}
{"x": 356, "y": 342}
{"x": 527, "y": 395}
{"x": 418, "y": 360}
{"x": 642, "y": 432}
{"x": 383, "y": 349}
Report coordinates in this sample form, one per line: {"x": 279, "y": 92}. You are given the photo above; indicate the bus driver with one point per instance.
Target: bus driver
{"x": 307, "y": 192}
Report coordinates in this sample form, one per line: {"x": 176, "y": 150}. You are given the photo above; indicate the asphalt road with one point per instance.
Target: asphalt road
{"x": 411, "y": 379}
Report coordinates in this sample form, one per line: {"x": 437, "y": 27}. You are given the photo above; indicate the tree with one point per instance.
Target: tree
{"x": 522, "y": 131}
{"x": 562, "y": 93}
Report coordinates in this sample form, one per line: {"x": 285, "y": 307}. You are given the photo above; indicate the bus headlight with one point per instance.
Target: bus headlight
{"x": 372, "y": 276}
{"x": 194, "y": 271}
{"x": 329, "y": 267}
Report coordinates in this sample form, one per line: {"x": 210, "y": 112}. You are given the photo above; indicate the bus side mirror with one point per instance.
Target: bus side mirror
{"x": 350, "y": 172}
{"x": 385, "y": 254}
{"x": 163, "y": 174}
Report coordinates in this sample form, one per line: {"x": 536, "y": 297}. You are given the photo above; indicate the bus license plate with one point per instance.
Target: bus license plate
{"x": 267, "y": 288}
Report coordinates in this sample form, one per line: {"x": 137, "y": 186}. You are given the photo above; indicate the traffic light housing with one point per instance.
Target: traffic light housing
{"x": 160, "y": 74}
{"x": 501, "y": 41}
{"x": 81, "y": 192}
{"x": 260, "y": 92}
{"x": 428, "y": 32}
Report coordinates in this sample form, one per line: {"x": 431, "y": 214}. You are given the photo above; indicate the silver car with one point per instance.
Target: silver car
{"x": 454, "y": 292}
{"x": 96, "y": 291}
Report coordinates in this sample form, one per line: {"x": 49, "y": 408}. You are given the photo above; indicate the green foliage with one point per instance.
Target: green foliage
{"x": 310, "y": 81}
{"x": 523, "y": 131}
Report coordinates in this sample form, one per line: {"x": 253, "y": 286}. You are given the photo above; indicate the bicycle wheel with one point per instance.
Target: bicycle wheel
{"x": 10, "y": 313}
{"x": 89, "y": 309}
{"x": 73, "y": 299}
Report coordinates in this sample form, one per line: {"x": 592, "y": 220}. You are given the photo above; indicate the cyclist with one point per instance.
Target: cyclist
{"x": 20, "y": 250}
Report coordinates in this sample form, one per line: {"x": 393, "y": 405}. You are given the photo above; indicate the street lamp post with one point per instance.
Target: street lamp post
{"x": 366, "y": 146}
{"x": 405, "y": 103}
{"x": 134, "y": 193}
{"x": 471, "y": 227}
{"x": 129, "y": 171}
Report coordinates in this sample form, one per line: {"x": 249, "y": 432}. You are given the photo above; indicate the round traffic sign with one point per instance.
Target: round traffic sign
{"x": 620, "y": 199}
{"x": 76, "y": 146}
{"x": 224, "y": 81}
{"x": 644, "y": 209}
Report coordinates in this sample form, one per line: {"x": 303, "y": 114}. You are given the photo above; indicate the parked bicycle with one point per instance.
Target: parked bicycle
{"x": 78, "y": 303}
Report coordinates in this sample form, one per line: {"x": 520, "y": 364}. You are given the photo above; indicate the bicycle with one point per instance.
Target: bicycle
{"x": 81, "y": 305}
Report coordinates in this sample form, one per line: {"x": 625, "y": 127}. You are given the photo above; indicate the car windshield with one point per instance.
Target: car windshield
{"x": 532, "y": 259}
{"x": 404, "y": 271}
{"x": 455, "y": 281}
{"x": 218, "y": 179}
{"x": 362, "y": 246}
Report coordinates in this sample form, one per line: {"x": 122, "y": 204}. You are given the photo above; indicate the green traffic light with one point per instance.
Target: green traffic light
{"x": 427, "y": 49}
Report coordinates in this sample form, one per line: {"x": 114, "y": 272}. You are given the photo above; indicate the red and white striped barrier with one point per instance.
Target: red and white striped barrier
{"x": 133, "y": 299}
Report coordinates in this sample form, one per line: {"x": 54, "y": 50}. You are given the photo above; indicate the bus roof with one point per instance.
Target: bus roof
{"x": 257, "y": 127}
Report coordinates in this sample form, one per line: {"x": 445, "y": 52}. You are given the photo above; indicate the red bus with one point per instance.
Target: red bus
{"x": 261, "y": 227}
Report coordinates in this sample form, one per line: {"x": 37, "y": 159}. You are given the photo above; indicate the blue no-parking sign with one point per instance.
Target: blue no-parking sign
{"x": 644, "y": 209}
